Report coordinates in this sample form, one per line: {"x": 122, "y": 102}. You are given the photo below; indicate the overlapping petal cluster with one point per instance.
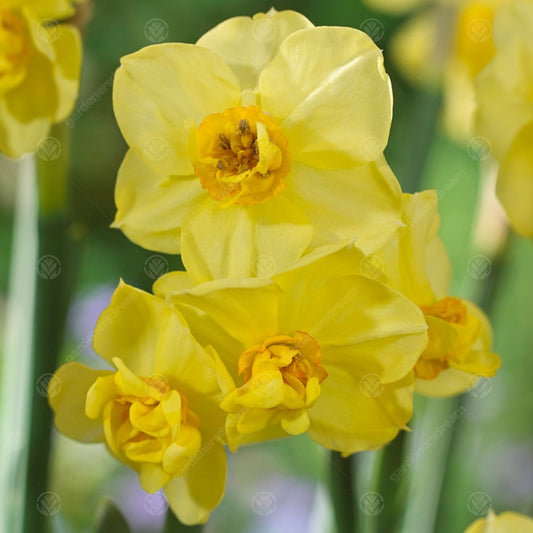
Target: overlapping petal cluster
{"x": 40, "y": 60}
{"x": 257, "y": 154}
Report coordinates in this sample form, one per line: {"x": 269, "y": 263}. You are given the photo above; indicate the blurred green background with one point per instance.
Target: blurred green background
{"x": 280, "y": 487}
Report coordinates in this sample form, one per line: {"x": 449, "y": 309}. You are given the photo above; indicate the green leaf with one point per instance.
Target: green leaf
{"x": 110, "y": 519}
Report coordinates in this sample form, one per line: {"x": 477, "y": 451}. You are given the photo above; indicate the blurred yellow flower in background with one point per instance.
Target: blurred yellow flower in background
{"x": 415, "y": 262}
{"x": 507, "y": 522}
{"x": 448, "y": 42}
{"x": 505, "y": 115}
{"x": 40, "y": 59}
{"x": 158, "y": 410}
{"x": 264, "y": 138}
{"x": 320, "y": 349}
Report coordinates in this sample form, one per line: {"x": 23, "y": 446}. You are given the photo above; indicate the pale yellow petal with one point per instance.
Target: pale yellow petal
{"x": 151, "y": 207}
{"x": 193, "y": 496}
{"x": 176, "y": 281}
{"x": 248, "y": 44}
{"x": 129, "y": 329}
{"x": 349, "y": 419}
{"x": 158, "y": 89}
{"x": 507, "y": 522}
{"x": 362, "y": 203}
{"x": 243, "y": 241}
{"x": 329, "y": 91}
{"x": 67, "y": 395}
{"x": 515, "y": 182}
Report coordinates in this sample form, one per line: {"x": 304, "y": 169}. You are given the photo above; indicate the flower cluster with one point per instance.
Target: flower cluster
{"x": 315, "y": 293}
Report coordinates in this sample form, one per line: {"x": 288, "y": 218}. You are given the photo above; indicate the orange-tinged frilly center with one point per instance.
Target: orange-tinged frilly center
{"x": 14, "y": 49}
{"x": 241, "y": 156}
{"x": 146, "y": 422}
{"x": 282, "y": 380}
{"x": 448, "y": 346}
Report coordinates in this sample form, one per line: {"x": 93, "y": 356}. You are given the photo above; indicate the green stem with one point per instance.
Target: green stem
{"x": 392, "y": 487}
{"x": 342, "y": 490}
{"x": 173, "y": 525}
{"x": 16, "y": 364}
{"x": 53, "y": 290}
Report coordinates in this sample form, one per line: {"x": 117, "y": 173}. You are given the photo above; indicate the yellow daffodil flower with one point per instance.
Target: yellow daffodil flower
{"x": 507, "y": 522}
{"x": 263, "y": 139}
{"x": 416, "y": 263}
{"x": 319, "y": 348}
{"x": 505, "y": 113}
{"x": 448, "y": 42}
{"x": 157, "y": 410}
{"x": 39, "y": 71}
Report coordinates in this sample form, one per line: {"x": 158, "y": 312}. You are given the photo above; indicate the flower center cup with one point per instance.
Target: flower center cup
{"x": 240, "y": 156}
{"x": 282, "y": 378}
{"x": 145, "y": 421}
{"x": 466, "y": 327}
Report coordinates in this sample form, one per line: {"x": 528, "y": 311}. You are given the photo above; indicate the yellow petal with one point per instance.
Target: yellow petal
{"x": 176, "y": 281}
{"x": 295, "y": 422}
{"x": 361, "y": 325}
{"x": 161, "y": 87}
{"x": 194, "y": 496}
{"x": 152, "y": 477}
{"x": 329, "y": 91}
{"x": 449, "y": 382}
{"x": 414, "y": 260}
{"x": 507, "y": 522}
{"x": 128, "y": 328}
{"x": 243, "y": 241}
{"x": 441, "y": 335}
{"x": 248, "y": 44}
{"x": 71, "y": 383}
{"x": 515, "y": 182}
{"x": 363, "y": 203}
{"x": 480, "y": 363}
{"x": 232, "y": 304}
{"x": 346, "y": 419}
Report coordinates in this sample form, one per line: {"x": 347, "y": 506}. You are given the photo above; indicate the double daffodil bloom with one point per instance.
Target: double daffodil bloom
{"x": 263, "y": 139}
{"x": 39, "y": 71}
{"x": 416, "y": 263}
{"x": 505, "y": 113}
{"x": 507, "y": 522}
{"x": 319, "y": 348}
{"x": 157, "y": 410}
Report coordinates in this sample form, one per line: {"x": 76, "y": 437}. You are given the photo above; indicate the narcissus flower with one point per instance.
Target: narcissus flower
{"x": 157, "y": 410}
{"x": 449, "y": 43}
{"x": 39, "y": 71}
{"x": 507, "y": 522}
{"x": 320, "y": 349}
{"x": 416, "y": 263}
{"x": 505, "y": 113}
{"x": 264, "y": 138}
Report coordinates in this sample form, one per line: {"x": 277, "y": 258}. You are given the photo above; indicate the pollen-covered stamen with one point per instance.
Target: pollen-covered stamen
{"x": 240, "y": 156}
{"x": 446, "y": 350}
{"x": 282, "y": 378}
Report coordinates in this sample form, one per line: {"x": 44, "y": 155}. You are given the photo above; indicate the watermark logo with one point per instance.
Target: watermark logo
{"x": 479, "y": 149}
{"x": 48, "y": 503}
{"x": 371, "y": 385}
{"x": 49, "y": 30}
{"x": 371, "y": 148}
{"x": 371, "y": 503}
{"x": 48, "y": 385}
{"x": 372, "y": 266}
{"x": 479, "y": 267}
{"x": 263, "y": 30}
{"x": 155, "y": 266}
{"x": 479, "y": 386}
{"x": 156, "y": 30}
{"x": 479, "y": 503}
{"x": 479, "y": 30}
{"x": 264, "y": 503}
{"x": 49, "y": 149}
{"x": 156, "y": 148}
{"x": 48, "y": 267}
{"x": 373, "y": 28}
{"x": 264, "y": 266}
{"x": 156, "y": 504}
